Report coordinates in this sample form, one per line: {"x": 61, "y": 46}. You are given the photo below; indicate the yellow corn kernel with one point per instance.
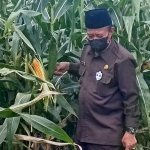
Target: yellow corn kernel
{"x": 37, "y": 68}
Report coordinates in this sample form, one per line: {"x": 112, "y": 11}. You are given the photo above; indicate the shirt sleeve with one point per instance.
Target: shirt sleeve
{"x": 74, "y": 69}
{"x": 128, "y": 87}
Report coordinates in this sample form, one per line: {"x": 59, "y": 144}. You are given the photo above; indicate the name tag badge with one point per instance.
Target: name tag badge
{"x": 83, "y": 63}
{"x": 98, "y": 75}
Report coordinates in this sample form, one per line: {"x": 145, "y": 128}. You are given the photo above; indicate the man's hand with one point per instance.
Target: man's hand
{"x": 129, "y": 141}
{"x": 61, "y": 68}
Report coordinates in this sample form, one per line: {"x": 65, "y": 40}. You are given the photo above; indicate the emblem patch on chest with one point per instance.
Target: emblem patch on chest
{"x": 98, "y": 75}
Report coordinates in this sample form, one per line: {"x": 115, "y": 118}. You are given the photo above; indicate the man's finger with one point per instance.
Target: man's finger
{"x": 58, "y": 73}
{"x": 56, "y": 66}
{"x": 123, "y": 143}
{"x": 127, "y": 148}
{"x": 57, "y": 63}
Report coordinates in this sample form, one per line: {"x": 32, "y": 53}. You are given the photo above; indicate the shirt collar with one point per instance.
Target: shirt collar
{"x": 106, "y": 54}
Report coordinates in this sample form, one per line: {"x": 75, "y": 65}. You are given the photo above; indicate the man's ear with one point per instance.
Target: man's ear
{"x": 111, "y": 30}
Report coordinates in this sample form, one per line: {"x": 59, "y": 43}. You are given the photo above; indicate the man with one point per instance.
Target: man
{"x": 108, "y": 106}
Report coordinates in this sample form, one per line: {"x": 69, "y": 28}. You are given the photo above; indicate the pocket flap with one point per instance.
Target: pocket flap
{"x": 106, "y": 79}
{"x": 82, "y": 70}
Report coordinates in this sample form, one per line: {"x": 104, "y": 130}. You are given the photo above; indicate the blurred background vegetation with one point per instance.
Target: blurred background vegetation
{"x": 34, "y": 35}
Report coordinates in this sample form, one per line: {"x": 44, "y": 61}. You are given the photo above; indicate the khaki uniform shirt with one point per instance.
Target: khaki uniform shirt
{"x": 108, "y": 94}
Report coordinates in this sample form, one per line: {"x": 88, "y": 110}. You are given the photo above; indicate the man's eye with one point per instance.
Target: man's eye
{"x": 99, "y": 36}
{"x": 90, "y": 36}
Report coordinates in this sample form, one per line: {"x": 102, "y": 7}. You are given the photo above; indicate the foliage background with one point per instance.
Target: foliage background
{"x": 53, "y": 31}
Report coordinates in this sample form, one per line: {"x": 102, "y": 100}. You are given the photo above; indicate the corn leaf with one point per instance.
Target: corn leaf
{"x": 52, "y": 60}
{"x": 136, "y": 8}
{"x": 61, "y": 8}
{"x": 12, "y": 126}
{"x": 46, "y": 126}
{"x": 12, "y": 123}
{"x": 22, "y": 36}
{"x": 55, "y": 111}
{"x": 7, "y": 113}
{"x": 128, "y": 21}
{"x": 19, "y": 5}
{"x": 22, "y": 98}
{"x": 15, "y": 45}
{"x": 145, "y": 94}
{"x": 3, "y": 131}
{"x": 63, "y": 103}
{"x": 14, "y": 15}
{"x": 6, "y": 71}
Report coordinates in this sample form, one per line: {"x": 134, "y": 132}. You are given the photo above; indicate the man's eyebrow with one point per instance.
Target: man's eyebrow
{"x": 99, "y": 33}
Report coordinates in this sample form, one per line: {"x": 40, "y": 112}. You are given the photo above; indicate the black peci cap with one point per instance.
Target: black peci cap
{"x": 97, "y": 18}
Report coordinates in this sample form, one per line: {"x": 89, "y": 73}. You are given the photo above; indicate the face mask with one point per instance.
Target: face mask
{"x": 98, "y": 45}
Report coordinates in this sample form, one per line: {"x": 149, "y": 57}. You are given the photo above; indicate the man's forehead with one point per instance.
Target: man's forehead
{"x": 98, "y": 30}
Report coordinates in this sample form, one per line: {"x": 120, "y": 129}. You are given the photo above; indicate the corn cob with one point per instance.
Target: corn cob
{"x": 40, "y": 72}
{"x": 38, "y": 68}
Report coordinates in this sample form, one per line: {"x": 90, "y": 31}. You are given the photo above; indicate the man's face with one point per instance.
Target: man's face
{"x": 100, "y": 33}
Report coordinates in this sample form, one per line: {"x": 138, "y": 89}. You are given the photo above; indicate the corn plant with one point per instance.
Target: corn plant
{"x": 32, "y": 39}
{"x": 35, "y": 105}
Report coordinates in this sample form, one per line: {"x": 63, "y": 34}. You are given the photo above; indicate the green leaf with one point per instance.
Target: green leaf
{"x": 145, "y": 95}
{"x": 115, "y": 18}
{"x": 30, "y": 13}
{"x": 3, "y": 131}
{"x": 63, "y": 103}
{"x": 136, "y": 8}
{"x": 7, "y": 113}
{"x": 67, "y": 87}
{"x": 62, "y": 50}
{"x": 22, "y": 36}
{"x": 128, "y": 21}
{"x": 13, "y": 81}
{"x": 10, "y": 20}
{"x": 46, "y": 126}
{"x": 12, "y": 126}
{"x": 15, "y": 45}
{"x": 2, "y": 65}
{"x": 52, "y": 58}
{"x": 22, "y": 98}
{"x": 139, "y": 147}
{"x": 54, "y": 110}
{"x": 40, "y": 5}
{"x": 14, "y": 15}
{"x": 61, "y": 8}
{"x": 6, "y": 71}
{"x": 26, "y": 129}
{"x": 13, "y": 123}
{"x": 19, "y": 5}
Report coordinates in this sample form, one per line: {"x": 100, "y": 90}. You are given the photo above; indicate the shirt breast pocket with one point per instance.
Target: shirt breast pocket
{"x": 82, "y": 70}
{"x": 104, "y": 85}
